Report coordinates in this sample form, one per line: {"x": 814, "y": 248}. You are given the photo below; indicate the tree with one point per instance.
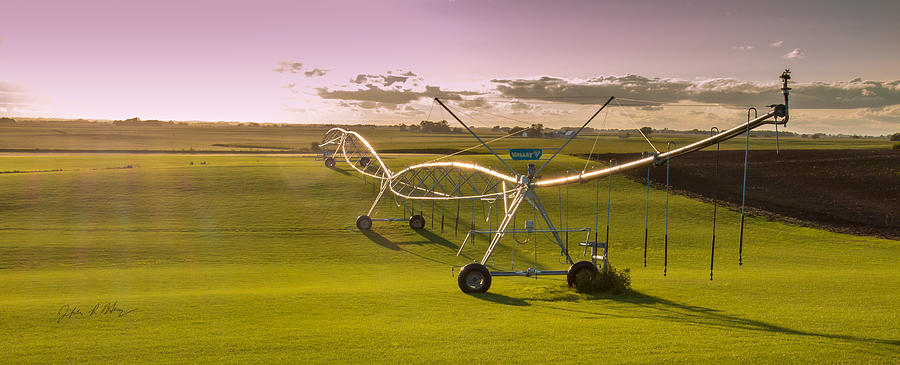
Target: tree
{"x": 434, "y": 127}
{"x": 538, "y": 129}
{"x": 516, "y": 130}
{"x": 895, "y": 137}
{"x": 646, "y": 130}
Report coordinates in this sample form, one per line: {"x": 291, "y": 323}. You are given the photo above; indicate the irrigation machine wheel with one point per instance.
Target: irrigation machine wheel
{"x": 364, "y": 161}
{"x": 474, "y": 278}
{"x": 417, "y": 222}
{"x": 329, "y": 162}
{"x": 579, "y": 267}
{"x": 364, "y": 223}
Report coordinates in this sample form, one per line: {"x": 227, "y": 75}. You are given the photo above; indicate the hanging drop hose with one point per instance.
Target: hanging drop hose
{"x": 612, "y": 162}
{"x": 596, "y": 219}
{"x": 647, "y": 216}
{"x": 666, "y": 237}
{"x": 712, "y": 254}
{"x": 777, "y": 150}
{"x": 456, "y": 225}
{"x": 744, "y": 190}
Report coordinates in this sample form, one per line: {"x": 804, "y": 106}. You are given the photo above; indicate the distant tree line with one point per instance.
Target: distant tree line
{"x": 435, "y": 127}
{"x": 139, "y": 122}
{"x": 427, "y": 126}
{"x": 7, "y": 121}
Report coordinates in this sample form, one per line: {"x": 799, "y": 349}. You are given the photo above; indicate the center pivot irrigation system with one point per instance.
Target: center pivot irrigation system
{"x": 438, "y": 181}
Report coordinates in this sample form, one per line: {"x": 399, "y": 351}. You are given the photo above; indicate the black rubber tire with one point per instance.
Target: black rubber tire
{"x": 576, "y": 268}
{"x": 364, "y": 223}
{"x": 329, "y": 162}
{"x": 474, "y": 278}
{"x": 417, "y": 222}
{"x": 364, "y": 161}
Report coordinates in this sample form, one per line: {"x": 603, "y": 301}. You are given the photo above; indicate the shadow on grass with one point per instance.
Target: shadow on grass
{"x": 384, "y": 242}
{"x": 335, "y": 169}
{"x": 430, "y": 236}
{"x": 501, "y": 299}
{"x": 667, "y": 310}
{"x": 381, "y": 240}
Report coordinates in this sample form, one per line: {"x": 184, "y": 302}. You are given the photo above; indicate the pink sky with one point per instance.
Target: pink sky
{"x": 227, "y": 60}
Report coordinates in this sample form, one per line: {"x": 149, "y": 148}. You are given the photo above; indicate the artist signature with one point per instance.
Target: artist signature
{"x": 99, "y": 309}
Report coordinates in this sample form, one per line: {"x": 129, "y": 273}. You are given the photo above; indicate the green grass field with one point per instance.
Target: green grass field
{"x": 256, "y": 259}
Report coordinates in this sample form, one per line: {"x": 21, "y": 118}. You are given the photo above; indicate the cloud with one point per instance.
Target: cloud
{"x": 409, "y": 111}
{"x": 889, "y": 114}
{"x": 387, "y": 91}
{"x": 520, "y": 107}
{"x": 369, "y": 93}
{"x": 289, "y": 67}
{"x": 316, "y": 72}
{"x": 873, "y": 106}
{"x": 696, "y": 114}
{"x": 292, "y": 87}
{"x": 386, "y": 79}
{"x": 375, "y": 94}
{"x": 742, "y": 48}
{"x": 396, "y": 109}
{"x": 13, "y": 94}
{"x": 776, "y": 44}
{"x": 796, "y": 54}
{"x": 634, "y": 90}
{"x": 594, "y": 90}
{"x": 14, "y": 99}
{"x": 855, "y": 93}
{"x": 475, "y": 103}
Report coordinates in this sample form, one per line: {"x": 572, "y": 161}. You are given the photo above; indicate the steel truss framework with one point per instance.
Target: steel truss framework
{"x": 445, "y": 181}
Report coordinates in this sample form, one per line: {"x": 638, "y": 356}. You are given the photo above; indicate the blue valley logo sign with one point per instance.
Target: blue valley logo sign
{"x": 526, "y": 153}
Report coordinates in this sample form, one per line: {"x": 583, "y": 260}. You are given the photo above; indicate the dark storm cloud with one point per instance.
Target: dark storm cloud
{"x": 730, "y": 92}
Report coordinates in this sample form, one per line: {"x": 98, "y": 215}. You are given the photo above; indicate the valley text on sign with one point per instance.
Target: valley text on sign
{"x": 526, "y": 153}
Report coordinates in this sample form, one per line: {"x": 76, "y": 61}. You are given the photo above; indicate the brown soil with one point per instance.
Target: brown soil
{"x": 849, "y": 191}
